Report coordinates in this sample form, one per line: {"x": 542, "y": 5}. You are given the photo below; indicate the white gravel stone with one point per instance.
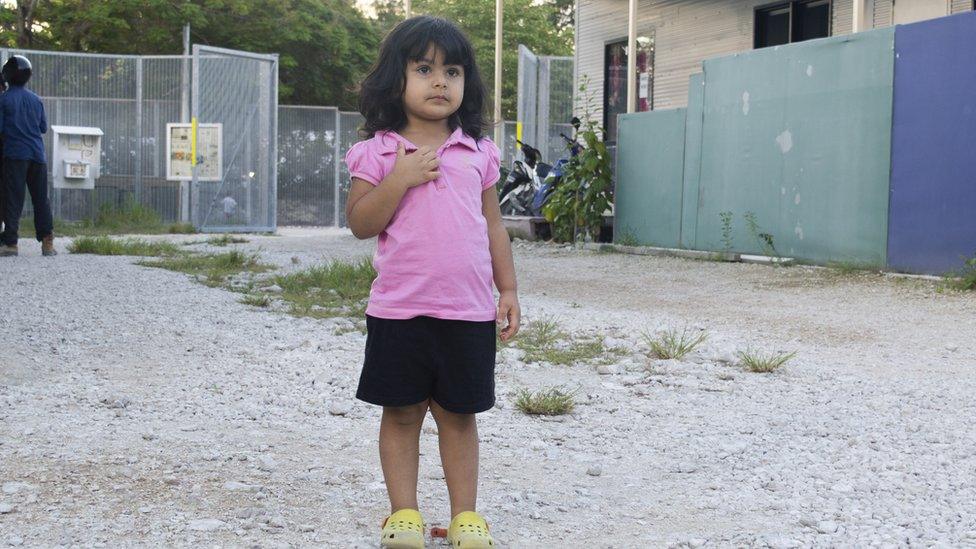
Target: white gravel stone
{"x": 827, "y": 527}
{"x": 206, "y": 525}
{"x": 267, "y": 463}
{"x": 340, "y": 408}
{"x": 868, "y": 428}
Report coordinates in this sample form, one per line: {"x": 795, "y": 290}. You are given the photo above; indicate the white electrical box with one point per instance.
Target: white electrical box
{"x": 77, "y": 157}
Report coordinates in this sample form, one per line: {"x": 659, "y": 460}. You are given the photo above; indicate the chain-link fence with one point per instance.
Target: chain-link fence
{"x": 307, "y": 160}
{"x": 131, "y": 98}
{"x": 545, "y": 102}
{"x": 297, "y": 179}
{"x": 238, "y": 91}
{"x": 313, "y": 180}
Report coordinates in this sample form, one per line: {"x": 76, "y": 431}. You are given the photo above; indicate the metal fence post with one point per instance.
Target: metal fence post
{"x": 273, "y": 144}
{"x": 543, "y": 123}
{"x": 194, "y": 111}
{"x": 137, "y": 168}
{"x": 338, "y": 172}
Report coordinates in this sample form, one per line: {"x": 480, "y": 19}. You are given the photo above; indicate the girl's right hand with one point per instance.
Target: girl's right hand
{"x": 417, "y": 168}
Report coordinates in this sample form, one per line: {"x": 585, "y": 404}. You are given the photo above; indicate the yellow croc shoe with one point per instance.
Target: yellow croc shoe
{"x": 469, "y": 530}
{"x": 403, "y": 530}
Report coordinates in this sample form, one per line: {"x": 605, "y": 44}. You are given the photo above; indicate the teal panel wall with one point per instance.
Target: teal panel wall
{"x": 650, "y": 164}
{"x": 800, "y": 136}
{"x": 692, "y": 162}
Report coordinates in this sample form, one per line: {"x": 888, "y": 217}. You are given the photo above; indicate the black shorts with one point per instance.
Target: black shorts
{"x": 410, "y": 361}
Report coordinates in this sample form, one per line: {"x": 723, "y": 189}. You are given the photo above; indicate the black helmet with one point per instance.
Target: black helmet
{"x": 17, "y": 70}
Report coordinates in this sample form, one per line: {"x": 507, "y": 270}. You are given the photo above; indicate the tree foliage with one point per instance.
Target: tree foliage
{"x": 326, "y": 46}
{"x": 540, "y": 27}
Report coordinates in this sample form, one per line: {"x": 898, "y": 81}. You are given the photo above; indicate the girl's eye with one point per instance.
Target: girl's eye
{"x": 423, "y": 69}
{"x": 453, "y": 72}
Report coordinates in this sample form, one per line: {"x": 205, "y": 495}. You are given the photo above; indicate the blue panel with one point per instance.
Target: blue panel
{"x": 932, "y": 219}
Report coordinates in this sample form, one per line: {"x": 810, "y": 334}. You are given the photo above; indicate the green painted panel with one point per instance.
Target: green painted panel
{"x": 692, "y": 175}
{"x": 800, "y": 136}
{"x": 650, "y": 160}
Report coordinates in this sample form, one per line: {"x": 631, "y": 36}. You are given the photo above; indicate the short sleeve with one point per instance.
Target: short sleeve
{"x": 492, "y": 162}
{"x": 363, "y": 162}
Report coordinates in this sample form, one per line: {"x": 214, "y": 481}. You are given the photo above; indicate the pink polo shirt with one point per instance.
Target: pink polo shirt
{"x": 433, "y": 257}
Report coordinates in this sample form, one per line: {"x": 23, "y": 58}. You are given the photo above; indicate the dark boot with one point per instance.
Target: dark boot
{"x": 47, "y": 246}
{"x": 7, "y": 251}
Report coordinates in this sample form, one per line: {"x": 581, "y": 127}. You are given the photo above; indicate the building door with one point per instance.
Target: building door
{"x": 615, "y": 81}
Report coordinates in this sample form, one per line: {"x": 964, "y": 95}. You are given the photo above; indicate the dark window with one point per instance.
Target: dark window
{"x": 615, "y": 81}
{"x": 792, "y": 22}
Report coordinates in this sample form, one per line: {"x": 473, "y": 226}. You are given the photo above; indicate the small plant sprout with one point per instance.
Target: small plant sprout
{"x": 673, "y": 344}
{"x": 726, "y": 218}
{"x": 256, "y": 300}
{"x": 553, "y": 401}
{"x": 765, "y": 240}
{"x": 762, "y": 363}
{"x": 964, "y": 279}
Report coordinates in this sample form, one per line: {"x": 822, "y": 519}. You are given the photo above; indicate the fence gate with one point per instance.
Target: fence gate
{"x": 545, "y": 101}
{"x": 235, "y": 105}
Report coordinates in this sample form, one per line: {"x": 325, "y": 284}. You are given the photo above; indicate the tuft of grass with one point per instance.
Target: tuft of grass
{"x": 628, "y": 239}
{"x": 226, "y": 239}
{"x": 673, "y": 344}
{"x": 130, "y": 218}
{"x": 181, "y": 228}
{"x": 764, "y": 363}
{"x": 553, "y": 401}
{"x": 848, "y": 268}
{"x": 214, "y": 268}
{"x": 965, "y": 279}
{"x": 540, "y": 334}
{"x": 103, "y": 245}
{"x": 324, "y": 291}
{"x": 256, "y": 300}
{"x": 545, "y": 341}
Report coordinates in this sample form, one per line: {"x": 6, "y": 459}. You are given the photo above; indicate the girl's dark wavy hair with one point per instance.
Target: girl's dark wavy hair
{"x": 381, "y": 93}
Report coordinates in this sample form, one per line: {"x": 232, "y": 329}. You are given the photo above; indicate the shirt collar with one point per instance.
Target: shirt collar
{"x": 389, "y": 140}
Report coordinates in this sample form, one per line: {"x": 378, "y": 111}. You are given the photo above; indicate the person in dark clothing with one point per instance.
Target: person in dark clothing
{"x": 3, "y": 88}
{"x": 22, "y": 121}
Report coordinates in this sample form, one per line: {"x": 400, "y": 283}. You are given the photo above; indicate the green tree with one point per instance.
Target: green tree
{"x": 325, "y": 45}
{"x": 540, "y": 27}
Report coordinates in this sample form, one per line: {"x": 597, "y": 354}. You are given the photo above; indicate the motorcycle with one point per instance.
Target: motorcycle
{"x": 523, "y": 182}
{"x": 555, "y": 175}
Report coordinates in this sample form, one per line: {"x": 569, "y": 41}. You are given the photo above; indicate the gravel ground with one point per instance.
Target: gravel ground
{"x": 139, "y": 408}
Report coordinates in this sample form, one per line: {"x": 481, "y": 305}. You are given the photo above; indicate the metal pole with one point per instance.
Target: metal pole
{"x": 406, "y": 8}
{"x": 185, "y": 82}
{"x": 138, "y": 158}
{"x": 632, "y": 58}
{"x": 194, "y": 112}
{"x": 498, "y": 71}
{"x": 273, "y": 146}
{"x": 336, "y": 159}
{"x": 185, "y": 118}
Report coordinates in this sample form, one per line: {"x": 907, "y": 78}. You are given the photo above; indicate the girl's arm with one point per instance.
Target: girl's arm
{"x": 502, "y": 265}
{"x": 369, "y": 208}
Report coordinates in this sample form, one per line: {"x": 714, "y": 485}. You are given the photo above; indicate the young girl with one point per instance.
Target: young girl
{"x": 425, "y": 184}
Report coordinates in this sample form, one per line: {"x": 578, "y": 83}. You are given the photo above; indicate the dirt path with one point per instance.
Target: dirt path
{"x": 138, "y": 408}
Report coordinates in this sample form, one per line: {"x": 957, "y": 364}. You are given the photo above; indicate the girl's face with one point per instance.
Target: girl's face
{"x": 433, "y": 90}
